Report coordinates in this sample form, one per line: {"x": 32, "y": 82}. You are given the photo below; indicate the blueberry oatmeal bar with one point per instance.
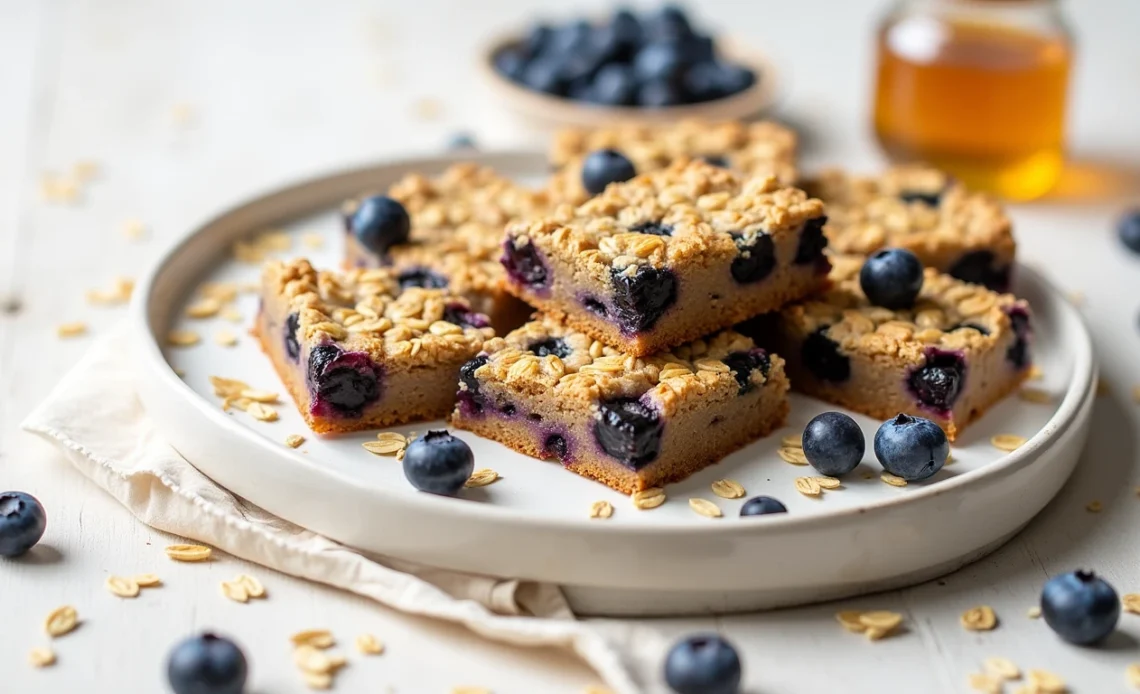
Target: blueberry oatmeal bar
{"x": 753, "y": 149}
{"x": 959, "y": 232}
{"x": 457, "y": 222}
{"x": 669, "y": 256}
{"x": 632, "y": 423}
{"x": 958, "y": 351}
{"x": 357, "y": 351}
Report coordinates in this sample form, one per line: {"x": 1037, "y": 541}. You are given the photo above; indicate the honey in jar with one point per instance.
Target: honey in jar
{"x": 977, "y": 88}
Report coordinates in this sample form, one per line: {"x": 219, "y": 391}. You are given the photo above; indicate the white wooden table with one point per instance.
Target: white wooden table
{"x": 276, "y": 90}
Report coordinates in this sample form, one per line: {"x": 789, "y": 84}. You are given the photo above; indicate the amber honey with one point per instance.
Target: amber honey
{"x": 982, "y": 101}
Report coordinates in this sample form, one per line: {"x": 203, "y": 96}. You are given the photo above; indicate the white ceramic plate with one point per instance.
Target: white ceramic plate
{"x": 533, "y": 523}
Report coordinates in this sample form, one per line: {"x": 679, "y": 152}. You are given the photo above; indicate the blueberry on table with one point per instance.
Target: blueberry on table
{"x": 22, "y": 523}
{"x": 703, "y": 664}
{"x": 603, "y": 167}
{"x": 1081, "y": 607}
{"x": 379, "y": 222}
{"x": 833, "y": 444}
{"x": 892, "y": 278}
{"x": 912, "y": 448}
{"x": 207, "y": 664}
{"x": 438, "y": 463}
{"x": 1128, "y": 229}
{"x": 761, "y": 506}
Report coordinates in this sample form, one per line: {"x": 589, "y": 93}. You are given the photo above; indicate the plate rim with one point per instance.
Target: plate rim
{"x": 150, "y": 363}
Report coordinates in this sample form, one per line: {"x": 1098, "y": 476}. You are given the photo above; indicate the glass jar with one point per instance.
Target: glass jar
{"x": 977, "y": 88}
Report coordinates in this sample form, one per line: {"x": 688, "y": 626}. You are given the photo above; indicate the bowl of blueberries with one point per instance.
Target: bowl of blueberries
{"x": 650, "y": 67}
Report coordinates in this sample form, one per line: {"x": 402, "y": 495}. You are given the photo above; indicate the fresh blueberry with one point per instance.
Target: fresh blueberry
{"x": 524, "y": 264}
{"x": 655, "y": 228}
{"x": 742, "y": 364}
{"x": 670, "y": 23}
{"x": 912, "y": 448}
{"x": 207, "y": 664}
{"x": 421, "y": 277}
{"x": 22, "y": 523}
{"x": 511, "y": 63}
{"x": 980, "y": 267}
{"x": 973, "y": 326}
{"x": 471, "y": 401}
{"x": 614, "y": 85}
{"x": 292, "y": 344}
{"x": 761, "y": 506}
{"x": 703, "y": 664}
{"x": 756, "y": 258}
{"x": 438, "y": 463}
{"x": 551, "y": 345}
{"x": 702, "y": 82}
{"x": 833, "y": 444}
{"x": 554, "y": 446}
{"x": 462, "y": 140}
{"x": 1128, "y": 229}
{"x": 578, "y": 69}
{"x": 458, "y": 314}
{"x": 642, "y": 298}
{"x": 1018, "y": 352}
{"x": 379, "y": 222}
{"x": 570, "y": 38}
{"x": 595, "y": 307}
{"x": 734, "y": 79}
{"x": 812, "y": 242}
{"x": 1080, "y": 607}
{"x": 663, "y": 62}
{"x": 698, "y": 49}
{"x": 659, "y": 94}
{"x": 544, "y": 74}
{"x": 603, "y": 167}
{"x": 892, "y": 278}
{"x": 537, "y": 39}
{"x": 342, "y": 382}
{"x": 821, "y": 356}
{"x": 621, "y": 38}
{"x": 629, "y": 430}
{"x": 931, "y": 199}
{"x": 938, "y": 382}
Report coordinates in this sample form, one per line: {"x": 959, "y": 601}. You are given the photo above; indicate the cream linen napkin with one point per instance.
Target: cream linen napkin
{"x": 95, "y": 418}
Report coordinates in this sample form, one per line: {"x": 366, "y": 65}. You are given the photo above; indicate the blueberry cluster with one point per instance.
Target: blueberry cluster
{"x": 653, "y": 60}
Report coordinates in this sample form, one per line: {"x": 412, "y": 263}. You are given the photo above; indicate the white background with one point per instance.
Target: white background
{"x": 280, "y": 90}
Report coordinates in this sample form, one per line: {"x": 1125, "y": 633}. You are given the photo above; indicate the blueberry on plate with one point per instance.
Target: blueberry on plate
{"x": 892, "y": 278}
{"x": 1080, "y": 606}
{"x": 761, "y": 506}
{"x": 438, "y": 463}
{"x": 22, "y": 523}
{"x": 912, "y": 448}
{"x": 1128, "y": 229}
{"x": 703, "y": 664}
{"x": 207, "y": 664}
{"x": 833, "y": 444}
{"x": 379, "y": 222}
{"x": 603, "y": 167}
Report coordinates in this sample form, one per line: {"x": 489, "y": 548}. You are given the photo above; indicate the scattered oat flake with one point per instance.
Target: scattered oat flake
{"x": 389, "y": 447}
{"x": 601, "y": 509}
{"x": 311, "y": 659}
{"x": 808, "y": 486}
{"x": 705, "y": 507}
{"x": 793, "y": 441}
{"x": 1094, "y": 506}
{"x": 259, "y": 395}
{"x": 893, "y": 480}
{"x": 147, "y": 580}
{"x": 183, "y": 338}
{"x": 727, "y": 489}
{"x": 294, "y": 440}
{"x": 481, "y": 478}
{"x": 252, "y": 586}
{"x": 182, "y": 114}
{"x": 1001, "y": 667}
{"x": 1131, "y": 602}
{"x": 1034, "y": 395}
{"x": 795, "y": 456}
{"x": 880, "y": 620}
{"x": 123, "y": 587}
{"x": 235, "y": 591}
{"x": 369, "y": 645}
{"x": 317, "y": 680}
{"x": 188, "y": 552}
{"x": 648, "y": 498}
{"x": 980, "y": 618}
{"x": 1007, "y": 442}
{"x": 74, "y": 329}
{"x": 204, "y": 308}
{"x": 134, "y": 230}
{"x": 222, "y": 292}
{"x": 428, "y": 108}
{"x": 225, "y": 338}
{"x": 1132, "y": 672}
{"x": 1045, "y": 682}
{"x": 850, "y": 619}
{"x": 41, "y": 657}
{"x": 828, "y": 482}
{"x": 1034, "y": 373}
{"x": 313, "y": 240}
{"x": 85, "y": 170}
{"x": 231, "y": 314}
{"x": 985, "y": 682}
{"x": 228, "y": 387}
{"x": 61, "y": 620}
{"x": 262, "y": 413}
{"x": 317, "y": 638}
{"x": 1033, "y": 612}
{"x": 1076, "y": 297}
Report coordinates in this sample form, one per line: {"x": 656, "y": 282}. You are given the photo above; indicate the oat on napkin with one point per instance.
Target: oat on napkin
{"x": 103, "y": 430}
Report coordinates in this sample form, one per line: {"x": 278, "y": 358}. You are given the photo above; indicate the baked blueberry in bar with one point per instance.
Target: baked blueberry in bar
{"x": 357, "y": 351}
{"x": 753, "y": 149}
{"x": 960, "y": 232}
{"x": 959, "y": 350}
{"x": 669, "y": 256}
{"x": 456, "y": 229}
{"x": 552, "y": 392}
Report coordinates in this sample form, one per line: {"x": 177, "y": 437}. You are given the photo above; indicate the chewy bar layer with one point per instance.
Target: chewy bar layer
{"x": 959, "y": 351}
{"x": 457, "y": 230}
{"x": 753, "y": 149}
{"x": 962, "y": 233}
{"x": 670, "y": 256}
{"x": 551, "y": 392}
{"x": 357, "y": 352}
